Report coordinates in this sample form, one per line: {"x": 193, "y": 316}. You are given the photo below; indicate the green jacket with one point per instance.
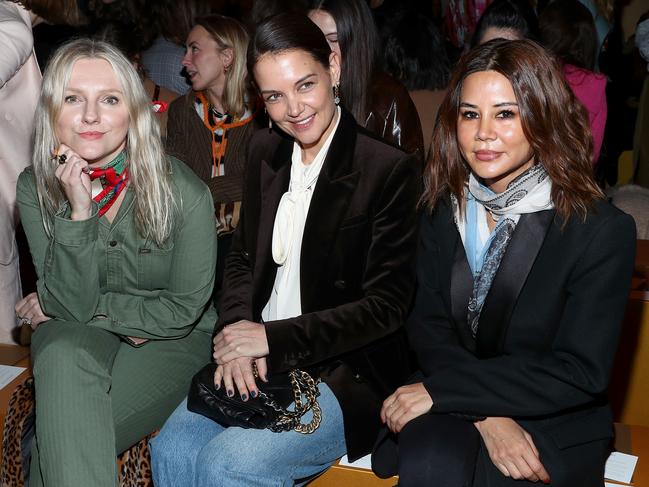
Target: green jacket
{"x": 106, "y": 275}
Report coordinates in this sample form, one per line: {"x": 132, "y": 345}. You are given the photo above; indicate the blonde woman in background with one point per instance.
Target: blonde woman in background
{"x": 210, "y": 127}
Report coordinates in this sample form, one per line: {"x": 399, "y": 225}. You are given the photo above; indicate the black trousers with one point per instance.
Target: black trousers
{"x": 435, "y": 450}
{"x": 442, "y": 450}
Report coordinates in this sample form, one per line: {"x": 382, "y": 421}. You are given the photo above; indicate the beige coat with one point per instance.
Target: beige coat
{"x": 20, "y": 82}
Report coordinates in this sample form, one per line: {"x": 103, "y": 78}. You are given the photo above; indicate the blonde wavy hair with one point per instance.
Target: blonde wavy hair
{"x": 230, "y": 34}
{"x": 149, "y": 170}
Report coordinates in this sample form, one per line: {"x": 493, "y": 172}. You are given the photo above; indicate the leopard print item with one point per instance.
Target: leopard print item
{"x": 19, "y": 411}
{"x": 133, "y": 465}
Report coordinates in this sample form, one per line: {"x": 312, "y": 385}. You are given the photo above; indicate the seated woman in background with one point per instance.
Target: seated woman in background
{"x": 210, "y": 127}
{"x": 567, "y": 29}
{"x": 506, "y": 19}
{"x": 524, "y": 271}
{"x": 320, "y": 276}
{"x": 377, "y": 101}
{"x": 123, "y": 242}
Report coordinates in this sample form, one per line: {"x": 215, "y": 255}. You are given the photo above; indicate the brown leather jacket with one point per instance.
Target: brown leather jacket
{"x": 393, "y": 115}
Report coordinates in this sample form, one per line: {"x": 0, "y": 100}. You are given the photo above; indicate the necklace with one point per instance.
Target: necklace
{"x": 215, "y": 112}
{"x": 113, "y": 178}
{"x": 493, "y": 217}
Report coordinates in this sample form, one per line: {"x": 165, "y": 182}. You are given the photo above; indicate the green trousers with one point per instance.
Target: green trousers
{"x": 96, "y": 396}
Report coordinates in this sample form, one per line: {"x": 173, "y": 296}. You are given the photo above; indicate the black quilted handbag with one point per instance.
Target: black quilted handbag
{"x": 267, "y": 410}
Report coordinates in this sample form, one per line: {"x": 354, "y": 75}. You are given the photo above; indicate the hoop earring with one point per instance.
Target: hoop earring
{"x": 337, "y": 93}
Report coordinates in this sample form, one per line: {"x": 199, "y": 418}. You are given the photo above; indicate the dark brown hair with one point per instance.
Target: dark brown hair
{"x": 358, "y": 40}
{"x": 289, "y": 31}
{"x": 568, "y": 30}
{"x": 515, "y": 15}
{"x": 553, "y": 121}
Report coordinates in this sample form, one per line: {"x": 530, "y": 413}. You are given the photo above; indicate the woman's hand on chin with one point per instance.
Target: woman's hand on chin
{"x": 241, "y": 339}
{"x": 75, "y": 182}
{"x": 240, "y": 373}
{"x": 405, "y": 404}
{"x": 512, "y": 449}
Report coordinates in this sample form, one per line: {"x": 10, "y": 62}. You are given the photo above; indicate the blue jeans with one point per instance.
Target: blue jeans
{"x": 192, "y": 450}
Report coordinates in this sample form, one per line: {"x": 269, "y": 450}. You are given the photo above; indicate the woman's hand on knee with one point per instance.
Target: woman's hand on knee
{"x": 407, "y": 403}
{"x": 29, "y": 311}
{"x": 239, "y": 373}
{"x": 512, "y": 449}
{"x": 241, "y": 339}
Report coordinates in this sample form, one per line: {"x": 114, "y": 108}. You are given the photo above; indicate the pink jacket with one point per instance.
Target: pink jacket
{"x": 590, "y": 90}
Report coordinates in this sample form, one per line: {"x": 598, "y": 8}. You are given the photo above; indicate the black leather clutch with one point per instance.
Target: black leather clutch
{"x": 267, "y": 410}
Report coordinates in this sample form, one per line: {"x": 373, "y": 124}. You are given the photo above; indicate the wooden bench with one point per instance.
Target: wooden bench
{"x": 630, "y": 375}
{"x": 634, "y": 440}
{"x": 343, "y": 475}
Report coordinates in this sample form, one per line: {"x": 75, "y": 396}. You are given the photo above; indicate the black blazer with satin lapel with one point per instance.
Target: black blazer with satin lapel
{"x": 357, "y": 268}
{"x": 548, "y": 329}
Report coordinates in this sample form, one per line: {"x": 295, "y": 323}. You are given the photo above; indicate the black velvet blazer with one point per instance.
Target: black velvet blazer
{"x": 548, "y": 330}
{"x": 357, "y": 268}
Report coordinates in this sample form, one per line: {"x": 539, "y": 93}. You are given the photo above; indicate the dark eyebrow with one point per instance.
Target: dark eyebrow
{"x": 497, "y": 105}
{"x": 304, "y": 78}
{"x": 301, "y": 80}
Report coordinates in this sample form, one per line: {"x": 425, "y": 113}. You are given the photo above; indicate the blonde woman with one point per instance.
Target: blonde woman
{"x": 210, "y": 127}
{"x": 122, "y": 316}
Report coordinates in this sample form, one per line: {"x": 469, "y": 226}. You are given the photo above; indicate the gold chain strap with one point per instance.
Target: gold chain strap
{"x": 303, "y": 385}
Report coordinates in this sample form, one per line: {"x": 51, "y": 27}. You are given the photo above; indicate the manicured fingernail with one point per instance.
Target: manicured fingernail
{"x": 217, "y": 386}
{"x": 546, "y": 482}
{"x": 244, "y": 397}
{"x": 253, "y": 394}
{"x": 230, "y": 393}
